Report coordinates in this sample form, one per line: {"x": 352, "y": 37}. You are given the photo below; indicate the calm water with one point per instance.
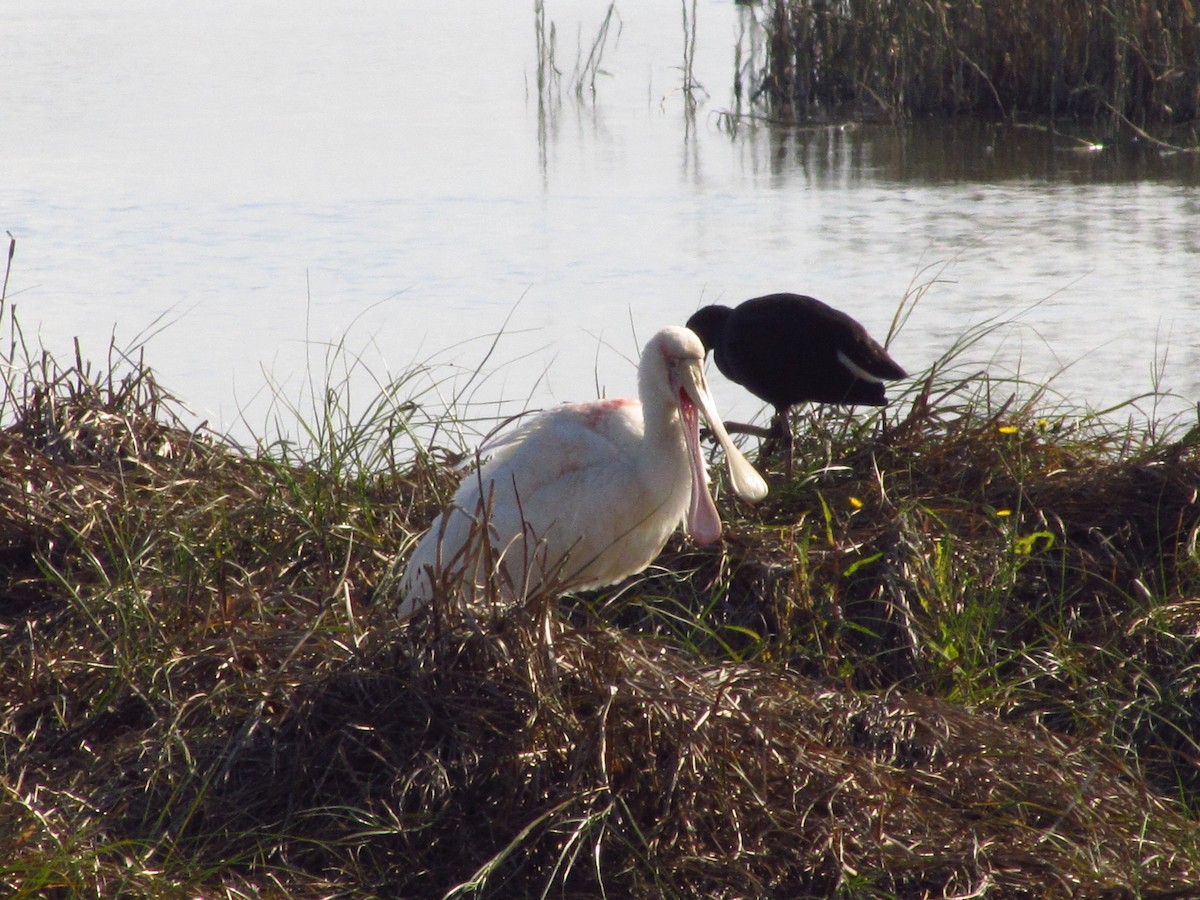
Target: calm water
{"x": 245, "y": 183}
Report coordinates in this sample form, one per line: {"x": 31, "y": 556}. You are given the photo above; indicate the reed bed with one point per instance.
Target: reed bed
{"x": 956, "y": 658}
{"x": 1127, "y": 62}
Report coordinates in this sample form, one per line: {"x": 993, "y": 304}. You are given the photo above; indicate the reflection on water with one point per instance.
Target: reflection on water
{"x": 395, "y": 179}
{"x": 953, "y": 152}
{"x": 971, "y": 151}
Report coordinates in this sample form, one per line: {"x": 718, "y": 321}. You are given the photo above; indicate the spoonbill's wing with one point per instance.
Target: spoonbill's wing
{"x": 570, "y": 489}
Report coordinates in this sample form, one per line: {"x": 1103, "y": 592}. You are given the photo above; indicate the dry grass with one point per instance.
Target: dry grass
{"x": 883, "y": 685}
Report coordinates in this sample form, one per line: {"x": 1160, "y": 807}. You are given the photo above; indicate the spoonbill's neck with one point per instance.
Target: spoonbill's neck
{"x": 660, "y": 406}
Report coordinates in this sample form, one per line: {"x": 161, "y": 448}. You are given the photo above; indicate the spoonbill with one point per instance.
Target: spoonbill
{"x": 587, "y": 493}
{"x": 788, "y": 349}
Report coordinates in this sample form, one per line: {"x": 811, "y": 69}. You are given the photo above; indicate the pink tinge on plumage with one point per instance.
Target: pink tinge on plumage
{"x": 703, "y": 523}
{"x": 596, "y": 411}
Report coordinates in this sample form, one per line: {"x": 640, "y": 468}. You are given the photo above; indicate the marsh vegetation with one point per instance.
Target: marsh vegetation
{"x": 956, "y": 656}
{"x": 1133, "y": 65}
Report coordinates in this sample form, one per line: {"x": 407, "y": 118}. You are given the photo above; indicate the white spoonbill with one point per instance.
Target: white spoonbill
{"x": 586, "y": 493}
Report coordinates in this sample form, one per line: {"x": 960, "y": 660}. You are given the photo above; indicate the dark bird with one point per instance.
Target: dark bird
{"x": 788, "y": 349}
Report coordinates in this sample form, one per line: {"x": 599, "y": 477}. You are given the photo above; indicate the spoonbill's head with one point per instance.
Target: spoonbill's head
{"x": 676, "y": 355}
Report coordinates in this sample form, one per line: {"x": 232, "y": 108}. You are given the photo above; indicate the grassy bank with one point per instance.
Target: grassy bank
{"x": 958, "y": 657}
{"x": 1126, "y": 62}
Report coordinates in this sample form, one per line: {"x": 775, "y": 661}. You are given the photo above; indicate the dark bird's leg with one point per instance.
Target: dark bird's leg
{"x": 788, "y": 445}
{"x": 739, "y": 428}
{"x": 779, "y": 438}
{"x": 771, "y": 438}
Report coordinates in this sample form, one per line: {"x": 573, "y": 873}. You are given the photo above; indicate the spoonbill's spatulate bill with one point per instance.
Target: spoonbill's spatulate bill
{"x": 585, "y": 494}
{"x": 788, "y": 349}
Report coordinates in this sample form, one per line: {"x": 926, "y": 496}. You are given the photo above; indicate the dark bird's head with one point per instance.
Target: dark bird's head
{"x": 708, "y": 323}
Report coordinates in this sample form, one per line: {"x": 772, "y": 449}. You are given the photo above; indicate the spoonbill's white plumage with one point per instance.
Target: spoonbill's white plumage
{"x": 585, "y": 494}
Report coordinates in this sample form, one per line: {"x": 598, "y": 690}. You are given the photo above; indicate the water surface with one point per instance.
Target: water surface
{"x": 243, "y": 184}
